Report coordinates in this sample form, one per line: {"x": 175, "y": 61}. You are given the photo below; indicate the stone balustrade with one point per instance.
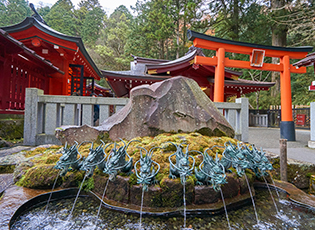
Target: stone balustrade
{"x": 45, "y": 113}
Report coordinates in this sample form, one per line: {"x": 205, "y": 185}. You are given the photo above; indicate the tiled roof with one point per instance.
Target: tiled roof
{"x": 27, "y": 50}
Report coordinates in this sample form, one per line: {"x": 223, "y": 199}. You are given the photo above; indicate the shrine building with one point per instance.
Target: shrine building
{"x": 34, "y": 55}
{"x": 148, "y": 71}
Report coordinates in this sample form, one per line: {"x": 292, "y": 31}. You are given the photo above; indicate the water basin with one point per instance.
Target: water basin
{"x": 291, "y": 216}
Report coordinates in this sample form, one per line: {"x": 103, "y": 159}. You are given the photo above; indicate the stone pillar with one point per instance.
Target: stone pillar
{"x": 69, "y": 114}
{"x": 31, "y": 115}
{"x": 244, "y": 116}
{"x": 87, "y": 114}
{"x": 104, "y": 113}
{"x": 50, "y": 118}
{"x": 311, "y": 143}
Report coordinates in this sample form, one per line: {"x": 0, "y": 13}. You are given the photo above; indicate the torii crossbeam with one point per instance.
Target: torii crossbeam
{"x": 256, "y": 55}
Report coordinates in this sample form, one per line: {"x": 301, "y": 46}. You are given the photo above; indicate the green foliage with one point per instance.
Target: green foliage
{"x": 152, "y": 29}
{"x": 300, "y": 83}
{"x": 265, "y": 100}
{"x": 43, "y": 10}
{"x": 13, "y": 11}
{"x": 89, "y": 19}
{"x": 88, "y": 184}
{"x": 110, "y": 47}
{"x": 61, "y": 18}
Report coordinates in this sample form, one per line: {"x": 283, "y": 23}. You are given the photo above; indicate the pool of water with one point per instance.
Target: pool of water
{"x": 290, "y": 216}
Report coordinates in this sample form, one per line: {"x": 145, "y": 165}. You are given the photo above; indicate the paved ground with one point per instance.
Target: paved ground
{"x": 268, "y": 139}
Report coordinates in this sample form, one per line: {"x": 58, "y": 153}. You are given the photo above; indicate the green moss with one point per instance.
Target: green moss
{"x": 88, "y": 184}
{"x": 132, "y": 179}
{"x": 40, "y": 176}
{"x": 7, "y": 169}
{"x": 104, "y": 137}
{"x": 310, "y": 174}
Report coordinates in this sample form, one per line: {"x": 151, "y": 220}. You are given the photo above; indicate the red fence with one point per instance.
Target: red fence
{"x": 15, "y": 78}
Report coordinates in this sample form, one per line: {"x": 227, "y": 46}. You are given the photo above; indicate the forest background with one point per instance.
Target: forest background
{"x": 157, "y": 29}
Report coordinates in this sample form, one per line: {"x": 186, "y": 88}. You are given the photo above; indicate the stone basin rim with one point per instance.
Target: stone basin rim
{"x": 72, "y": 192}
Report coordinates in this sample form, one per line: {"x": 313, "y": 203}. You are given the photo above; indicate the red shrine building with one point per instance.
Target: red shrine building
{"x": 305, "y": 62}
{"x": 34, "y": 55}
{"x": 148, "y": 71}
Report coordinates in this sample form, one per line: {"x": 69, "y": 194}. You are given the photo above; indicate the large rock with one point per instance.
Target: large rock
{"x": 174, "y": 105}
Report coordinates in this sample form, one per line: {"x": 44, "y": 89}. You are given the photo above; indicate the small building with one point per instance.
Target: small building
{"x": 20, "y": 68}
{"x": 67, "y": 65}
{"x": 148, "y": 71}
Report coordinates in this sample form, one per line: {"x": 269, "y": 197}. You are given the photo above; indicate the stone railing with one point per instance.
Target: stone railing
{"x": 237, "y": 115}
{"x": 258, "y": 120}
{"x": 44, "y": 113}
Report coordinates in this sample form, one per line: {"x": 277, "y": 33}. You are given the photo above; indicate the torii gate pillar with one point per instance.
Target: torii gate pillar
{"x": 256, "y": 55}
{"x": 287, "y": 129}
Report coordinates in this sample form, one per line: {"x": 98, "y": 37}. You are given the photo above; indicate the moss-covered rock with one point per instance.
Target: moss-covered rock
{"x": 38, "y": 172}
{"x": 11, "y": 128}
{"x": 40, "y": 176}
{"x": 7, "y": 169}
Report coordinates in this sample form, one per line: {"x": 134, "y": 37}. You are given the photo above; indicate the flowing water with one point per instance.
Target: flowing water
{"x": 184, "y": 200}
{"x": 226, "y": 213}
{"x": 271, "y": 195}
{"x": 251, "y": 195}
{"x": 51, "y": 193}
{"x": 291, "y": 217}
{"x": 273, "y": 182}
{"x": 140, "y": 221}
{"x": 99, "y": 207}
{"x": 75, "y": 201}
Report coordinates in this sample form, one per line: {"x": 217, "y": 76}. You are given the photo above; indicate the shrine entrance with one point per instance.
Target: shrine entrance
{"x": 256, "y": 53}
{"x": 78, "y": 81}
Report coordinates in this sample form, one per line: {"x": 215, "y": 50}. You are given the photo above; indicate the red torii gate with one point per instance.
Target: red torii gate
{"x": 256, "y": 53}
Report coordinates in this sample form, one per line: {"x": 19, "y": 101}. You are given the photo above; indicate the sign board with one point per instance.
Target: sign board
{"x": 300, "y": 119}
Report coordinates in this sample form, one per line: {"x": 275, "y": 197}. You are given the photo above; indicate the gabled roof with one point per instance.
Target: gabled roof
{"x": 31, "y": 21}
{"x": 308, "y": 61}
{"x": 192, "y": 35}
{"x": 122, "y": 81}
{"x": 185, "y": 61}
{"x": 20, "y": 48}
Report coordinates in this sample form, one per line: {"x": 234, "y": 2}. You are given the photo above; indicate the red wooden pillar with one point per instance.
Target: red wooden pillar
{"x": 287, "y": 130}
{"x": 219, "y": 76}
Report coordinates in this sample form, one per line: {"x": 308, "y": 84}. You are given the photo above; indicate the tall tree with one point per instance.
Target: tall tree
{"x": 61, "y": 18}
{"x": 227, "y": 17}
{"x": 188, "y": 13}
{"x": 43, "y": 10}
{"x": 13, "y": 11}
{"x": 109, "y": 51}
{"x": 279, "y": 38}
{"x": 90, "y": 16}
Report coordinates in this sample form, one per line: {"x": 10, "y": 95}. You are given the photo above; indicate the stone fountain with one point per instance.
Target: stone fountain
{"x": 179, "y": 157}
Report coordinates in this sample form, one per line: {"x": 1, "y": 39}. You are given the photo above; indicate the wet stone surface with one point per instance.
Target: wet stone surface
{"x": 6, "y": 180}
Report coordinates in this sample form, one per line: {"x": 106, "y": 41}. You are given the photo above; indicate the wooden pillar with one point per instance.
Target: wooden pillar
{"x": 219, "y": 76}
{"x": 287, "y": 130}
{"x": 65, "y": 81}
{"x": 283, "y": 160}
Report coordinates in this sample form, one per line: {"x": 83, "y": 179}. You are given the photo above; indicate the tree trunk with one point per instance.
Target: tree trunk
{"x": 257, "y": 100}
{"x": 279, "y": 38}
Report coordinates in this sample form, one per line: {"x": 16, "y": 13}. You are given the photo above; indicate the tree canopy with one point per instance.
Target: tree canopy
{"x": 158, "y": 28}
